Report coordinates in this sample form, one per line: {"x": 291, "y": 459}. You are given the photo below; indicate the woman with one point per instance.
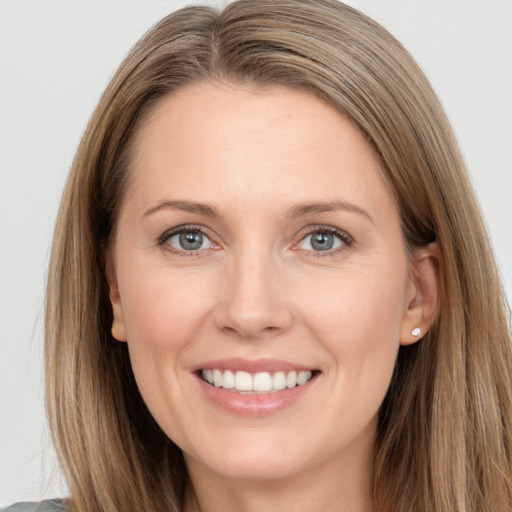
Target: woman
{"x": 270, "y": 284}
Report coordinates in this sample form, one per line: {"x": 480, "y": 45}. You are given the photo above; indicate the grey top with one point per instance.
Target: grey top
{"x": 42, "y": 506}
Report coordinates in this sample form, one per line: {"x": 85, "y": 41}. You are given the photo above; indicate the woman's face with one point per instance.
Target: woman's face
{"x": 258, "y": 247}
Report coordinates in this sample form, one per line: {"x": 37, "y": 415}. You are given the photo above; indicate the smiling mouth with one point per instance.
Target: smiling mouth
{"x": 261, "y": 382}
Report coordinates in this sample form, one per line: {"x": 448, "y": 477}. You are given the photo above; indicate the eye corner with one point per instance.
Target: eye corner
{"x": 187, "y": 241}
{"x": 330, "y": 240}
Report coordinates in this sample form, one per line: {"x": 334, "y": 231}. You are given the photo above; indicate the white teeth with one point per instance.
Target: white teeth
{"x": 303, "y": 377}
{"x": 260, "y": 382}
{"x": 291, "y": 380}
{"x": 243, "y": 381}
{"x": 228, "y": 380}
{"x": 217, "y": 378}
{"x": 279, "y": 381}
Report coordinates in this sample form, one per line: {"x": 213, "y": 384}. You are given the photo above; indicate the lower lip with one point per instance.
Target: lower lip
{"x": 255, "y": 404}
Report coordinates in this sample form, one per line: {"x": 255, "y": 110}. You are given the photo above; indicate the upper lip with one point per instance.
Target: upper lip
{"x": 253, "y": 365}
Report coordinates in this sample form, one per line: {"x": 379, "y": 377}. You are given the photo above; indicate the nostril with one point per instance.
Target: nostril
{"x": 249, "y": 333}
{"x": 252, "y": 325}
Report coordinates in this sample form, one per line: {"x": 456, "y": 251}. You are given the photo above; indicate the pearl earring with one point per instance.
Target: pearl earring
{"x": 416, "y": 331}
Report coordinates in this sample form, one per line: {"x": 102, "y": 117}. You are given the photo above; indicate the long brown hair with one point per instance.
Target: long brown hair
{"x": 445, "y": 431}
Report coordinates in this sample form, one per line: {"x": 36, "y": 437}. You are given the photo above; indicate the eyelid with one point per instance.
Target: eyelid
{"x": 345, "y": 238}
{"x": 164, "y": 237}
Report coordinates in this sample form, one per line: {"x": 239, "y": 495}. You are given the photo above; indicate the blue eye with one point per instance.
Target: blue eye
{"x": 323, "y": 240}
{"x": 189, "y": 240}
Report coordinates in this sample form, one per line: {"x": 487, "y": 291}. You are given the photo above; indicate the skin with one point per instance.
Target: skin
{"x": 258, "y": 289}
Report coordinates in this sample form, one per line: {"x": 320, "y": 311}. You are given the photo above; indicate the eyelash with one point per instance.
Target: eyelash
{"x": 164, "y": 238}
{"x": 345, "y": 239}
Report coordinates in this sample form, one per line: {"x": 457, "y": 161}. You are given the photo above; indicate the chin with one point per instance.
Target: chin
{"x": 257, "y": 467}
{"x": 250, "y": 455}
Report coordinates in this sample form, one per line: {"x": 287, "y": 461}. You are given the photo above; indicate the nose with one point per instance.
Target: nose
{"x": 253, "y": 303}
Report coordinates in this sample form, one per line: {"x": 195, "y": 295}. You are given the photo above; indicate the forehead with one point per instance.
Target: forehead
{"x": 216, "y": 139}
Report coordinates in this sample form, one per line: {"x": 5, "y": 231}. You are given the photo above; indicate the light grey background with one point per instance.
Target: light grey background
{"x": 56, "y": 58}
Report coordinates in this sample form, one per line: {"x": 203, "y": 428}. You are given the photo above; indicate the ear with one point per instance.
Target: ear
{"x": 424, "y": 294}
{"x": 118, "y": 324}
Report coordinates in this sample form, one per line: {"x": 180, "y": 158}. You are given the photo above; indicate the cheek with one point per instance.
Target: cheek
{"x": 357, "y": 318}
{"x": 163, "y": 309}
{"x": 164, "y": 315}
{"x": 363, "y": 305}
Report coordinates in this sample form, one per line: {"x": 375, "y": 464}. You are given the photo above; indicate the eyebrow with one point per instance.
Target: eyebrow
{"x": 186, "y": 206}
{"x": 298, "y": 210}
{"x": 303, "y": 209}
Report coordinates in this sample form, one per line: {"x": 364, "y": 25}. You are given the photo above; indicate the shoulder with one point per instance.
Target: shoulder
{"x": 41, "y": 506}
